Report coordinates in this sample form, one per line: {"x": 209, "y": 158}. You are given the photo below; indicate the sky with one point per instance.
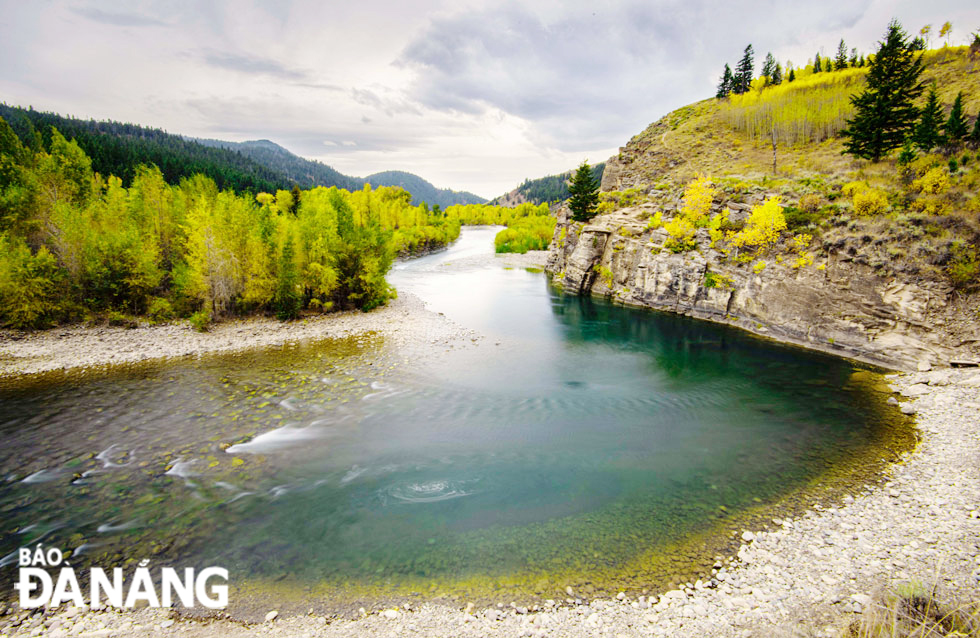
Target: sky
{"x": 470, "y": 94}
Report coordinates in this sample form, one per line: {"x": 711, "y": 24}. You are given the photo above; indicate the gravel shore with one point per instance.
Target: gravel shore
{"x": 404, "y": 321}
{"x": 814, "y": 572}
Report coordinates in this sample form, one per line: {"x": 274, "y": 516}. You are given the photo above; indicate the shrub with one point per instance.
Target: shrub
{"x": 934, "y": 182}
{"x": 759, "y": 266}
{"x": 850, "y": 189}
{"x": 201, "y": 320}
{"x": 716, "y": 280}
{"x": 30, "y": 285}
{"x": 159, "y": 310}
{"x": 528, "y": 233}
{"x": 605, "y": 274}
{"x": 964, "y": 267}
{"x": 870, "y": 202}
{"x": 810, "y": 203}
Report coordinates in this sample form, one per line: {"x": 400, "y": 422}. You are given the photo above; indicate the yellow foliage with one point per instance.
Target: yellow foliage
{"x": 801, "y": 241}
{"x": 697, "y": 200}
{"x": 850, "y": 189}
{"x": 934, "y": 182}
{"x": 813, "y": 108}
{"x": 763, "y": 228}
{"x": 870, "y": 202}
{"x": 810, "y": 203}
{"x": 656, "y": 221}
{"x": 681, "y": 233}
{"x": 759, "y": 266}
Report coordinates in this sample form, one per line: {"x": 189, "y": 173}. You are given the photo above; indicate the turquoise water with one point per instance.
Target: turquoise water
{"x": 574, "y": 442}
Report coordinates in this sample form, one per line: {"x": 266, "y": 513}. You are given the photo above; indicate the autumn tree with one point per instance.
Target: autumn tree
{"x": 946, "y": 31}
{"x": 885, "y": 111}
{"x": 584, "y": 189}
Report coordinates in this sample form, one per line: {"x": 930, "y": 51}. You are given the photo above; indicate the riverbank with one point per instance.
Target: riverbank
{"x": 403, "y": 320}
{"x": 808, "y": 576}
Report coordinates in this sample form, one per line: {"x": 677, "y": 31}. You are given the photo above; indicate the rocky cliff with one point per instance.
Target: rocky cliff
{"x": 839, "y": 305}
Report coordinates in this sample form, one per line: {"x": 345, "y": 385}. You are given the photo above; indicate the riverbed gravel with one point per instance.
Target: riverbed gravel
{"x": 806, "y": 576}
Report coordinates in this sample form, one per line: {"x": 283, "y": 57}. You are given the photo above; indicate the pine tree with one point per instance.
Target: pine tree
{"x": 885, "y": 110}
{"x": 584, "y": 190}
{"x": 956, "y": 129}
{"x": 816, "y": 64}
{"x": 926, "y": 135}
{"x": 841, "y": 61}
{"x": 853, "y": 60}
{"x": 744, "y": 72}
{"x": 769, "y": 69}
{"x": 792, "y": 75}
{"x": 975, "y": 135}
{"x": 777, "y": 75}
{"x": 861, "y": 61}
{"x": 725, "y": 85}
{"x": 287, "y": 301}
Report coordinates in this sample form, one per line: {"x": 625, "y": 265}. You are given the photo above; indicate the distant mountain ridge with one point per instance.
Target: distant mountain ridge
{"x": 117, "y": 148}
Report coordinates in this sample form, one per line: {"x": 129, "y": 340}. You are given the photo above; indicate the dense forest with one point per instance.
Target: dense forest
{"x": 548, "y": 189}
{"x": 118, "y": 149}
{"x": 292, "y": 168}
{"x": 77, "y": 245}
{"x": 423, "y": 191}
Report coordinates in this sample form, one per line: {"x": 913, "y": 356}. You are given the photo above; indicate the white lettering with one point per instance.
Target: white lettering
{"x": 67, "y": 589}
{"x": 25, "y": 585}
{"x": 142, "y": 589}
{"x": 220, "y": 591}
{"x": 100, "y": 584}
{"x": 173, "y": 584}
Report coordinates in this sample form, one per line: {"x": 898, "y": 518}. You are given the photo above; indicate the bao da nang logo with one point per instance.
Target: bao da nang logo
{"x": 39, "y": 586}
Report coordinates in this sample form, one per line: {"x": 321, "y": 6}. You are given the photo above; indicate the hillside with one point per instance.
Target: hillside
{"x": 423, "y": 191}
{"x": 878, "y": 261}
{"x": 544, "y": 190}
{"x": 118, "y": 149}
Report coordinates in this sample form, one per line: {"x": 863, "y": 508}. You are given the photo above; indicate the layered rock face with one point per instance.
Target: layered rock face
{"x": 843, "y": 307}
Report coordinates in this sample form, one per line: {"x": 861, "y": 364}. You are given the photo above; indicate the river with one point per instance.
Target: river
{"x": 573, "y": 442}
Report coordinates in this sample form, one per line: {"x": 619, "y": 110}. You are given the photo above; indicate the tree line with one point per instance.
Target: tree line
{"x": 76, "y": 244}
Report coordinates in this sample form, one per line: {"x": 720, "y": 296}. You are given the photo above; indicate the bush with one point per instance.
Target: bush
{"x": 528, "y": 233}
{"x": 964, "y": 267}
{"x": 160, "y": 310}
{"x": 810, "y": 203}
{"x": 30, "y": 285}
{"x": 201, "y": 320}
{"x": 934, "y": 182}
{"x": 870, "y": 202}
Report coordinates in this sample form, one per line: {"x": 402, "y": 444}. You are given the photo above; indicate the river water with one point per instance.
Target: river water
{"x": 576, "y": 443}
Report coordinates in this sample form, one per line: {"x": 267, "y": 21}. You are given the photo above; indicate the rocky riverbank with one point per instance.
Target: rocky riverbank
{"x": 404, "y": 321}
{"x": 811, "y": 574}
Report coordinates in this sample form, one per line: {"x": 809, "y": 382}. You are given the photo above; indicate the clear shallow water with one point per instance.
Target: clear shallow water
{"x": 576, "y": 443}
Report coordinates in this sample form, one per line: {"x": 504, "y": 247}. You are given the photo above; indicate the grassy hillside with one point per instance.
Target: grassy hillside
{"x": 784, "y": 141}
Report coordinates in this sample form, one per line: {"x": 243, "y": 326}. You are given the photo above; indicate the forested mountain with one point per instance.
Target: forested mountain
{"x": 423, "y": 191}
{"x": 544, "y": 190}
{"x": 118, "y": 149}
{"x": 295, "y": 169}
{"x": 255, "y": 166}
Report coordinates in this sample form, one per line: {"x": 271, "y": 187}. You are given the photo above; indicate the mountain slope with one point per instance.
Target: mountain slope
{"x": 117, "y": 149}
{"x": 878, "y": 261}
{"x": 544, "y": 190}
{"x": 423, "y": 191}
{"x": 295, "y": 169}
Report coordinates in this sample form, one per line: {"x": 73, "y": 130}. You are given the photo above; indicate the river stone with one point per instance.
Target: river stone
{"x": 924, "y": 366}
{"x": 272, "y": 615}
{"x": 916, "y": 390}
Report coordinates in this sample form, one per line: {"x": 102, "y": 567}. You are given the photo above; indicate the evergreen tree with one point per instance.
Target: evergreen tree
{"x": 584, "y": 191}
{"x": 777, "y": 75}
{"x": 841, "y": 61}
{"x": 769, "y": 69}
{"x": 918, "y": 44}
{"x": 956, "y": 128}
{"x": 744, "y": 72}
{"x": 885, "y": 110}
{"x": 792, "y": 75}
{"x": 975, "y": 135}
{"x": 861, "y": 61}
{"x": 287, "y": 301}
{"x": 926, "y": 135}
{"x": 853, "y": 60}
{"x": 725, "y": 85}
{"x": 816, "y": 64}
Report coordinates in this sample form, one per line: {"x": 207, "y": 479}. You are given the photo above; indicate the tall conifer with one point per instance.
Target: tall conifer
{"x": 584, "y": 190}
{"x": 744, "y": 72}
{"x": 956, "y": 128}
{"x": 841, "y": 61}
{"x": 725, "y": 85}
{"x": 926, "y": 135}
{"x": 885, "y": 111}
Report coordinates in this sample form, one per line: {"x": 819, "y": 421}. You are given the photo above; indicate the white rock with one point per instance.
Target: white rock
{"x": 748, "y": 537}
{"x": 924, "y": 366}
{"x": 272, "y": 615}
{"x": 907, "y": 408}
{"x": 391, "y": 614}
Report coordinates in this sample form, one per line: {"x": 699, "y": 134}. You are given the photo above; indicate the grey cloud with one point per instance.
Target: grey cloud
{"x": 596, "y": 74}
{"x": 118, "y": 19}
{"x": 251, "y": 65}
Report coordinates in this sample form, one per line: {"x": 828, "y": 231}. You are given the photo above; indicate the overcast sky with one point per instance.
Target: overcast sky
{"x": 472, "y": 95}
